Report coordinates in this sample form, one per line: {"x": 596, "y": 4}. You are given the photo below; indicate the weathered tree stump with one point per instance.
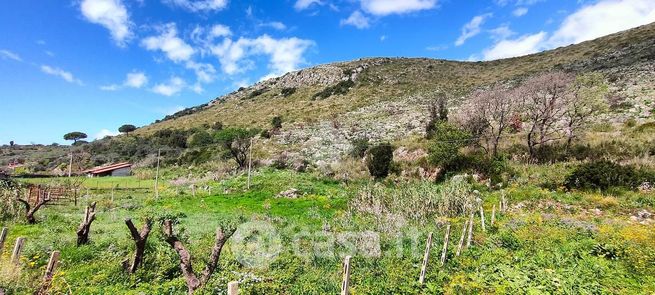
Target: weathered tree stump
{"x": 140, "y": 239}
{"x": 192, "y": 280}
{"x": 85, "y": 227}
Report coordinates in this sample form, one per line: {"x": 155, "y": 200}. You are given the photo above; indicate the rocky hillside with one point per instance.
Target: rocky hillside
{"x": 326, "y": 106}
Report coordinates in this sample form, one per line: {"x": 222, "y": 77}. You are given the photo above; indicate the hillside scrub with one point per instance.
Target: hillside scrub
{"x": 379, "y": 160}
{"x": 603, "y": 175}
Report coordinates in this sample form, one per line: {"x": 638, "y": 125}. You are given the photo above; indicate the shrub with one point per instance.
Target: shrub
{"x": 276, "y": 122}
{"x": 602, "y": 175}
{"x": 379, "y": 160}
{"x": 200, "y": 138}
{"x": 629, "y": 123}
{"x": 360, "y": 147}
{"x": 646, "y": 127}
{"x": 493, "y": 168}
{"x": 286, "y": 92}
{"x": 218, "y": 126}
{"x": 340, "y": 88}
{"x": 446, "y": 142}
{"x": 256, "y": 93}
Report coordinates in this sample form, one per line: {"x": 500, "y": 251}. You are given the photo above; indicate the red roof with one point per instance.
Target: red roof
{"x": 107, "y": 168}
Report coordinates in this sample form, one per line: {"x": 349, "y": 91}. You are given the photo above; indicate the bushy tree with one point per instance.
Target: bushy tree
{"x": 236, "y": 141}
{"x": 127, "y": 128}
{"x": 379, "y": 160}
{"x": 602, "y": 175}
{"x": 444, "y": 146}
{"x": 75, "y": 136}
{"x": 199, "y": 139}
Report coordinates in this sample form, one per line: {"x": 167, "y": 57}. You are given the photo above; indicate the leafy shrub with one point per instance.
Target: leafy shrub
{"x": 218, "y": 126}
{"x": 379, "y": 160}
{"x": 257, "y": 92}
{"x": 629, "y": 123}
{"x": 493, "y": 168}
{"x": 276, "y": 122}
{"x": 199, "y": 139}
{"x": 286, "y": 92}
{"x": 340, "y": 88}
{"x": 602, "y": 175}
{"x": 446, "y": 142}
{"x": 360, "y": 147}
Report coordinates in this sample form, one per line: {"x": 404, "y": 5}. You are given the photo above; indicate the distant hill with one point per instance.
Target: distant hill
{"x": 323, "y": 107}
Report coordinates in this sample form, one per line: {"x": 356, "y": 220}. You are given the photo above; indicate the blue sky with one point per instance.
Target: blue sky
{"x": 93, "y": 65}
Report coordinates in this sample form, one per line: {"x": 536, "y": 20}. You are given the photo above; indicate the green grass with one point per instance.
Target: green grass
{"x": 549, "y": 250}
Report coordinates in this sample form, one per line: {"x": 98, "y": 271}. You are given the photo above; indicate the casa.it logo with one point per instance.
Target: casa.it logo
{"x": 256, "y": 244}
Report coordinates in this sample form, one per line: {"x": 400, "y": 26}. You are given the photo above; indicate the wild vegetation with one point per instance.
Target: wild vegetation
{"x": 543, "y": 182}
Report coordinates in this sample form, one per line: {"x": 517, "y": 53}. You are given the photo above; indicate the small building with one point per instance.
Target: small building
{"x": 120, "y": 169}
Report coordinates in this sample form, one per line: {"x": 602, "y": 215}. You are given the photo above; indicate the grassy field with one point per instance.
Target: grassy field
{"x": 549, "y": 242}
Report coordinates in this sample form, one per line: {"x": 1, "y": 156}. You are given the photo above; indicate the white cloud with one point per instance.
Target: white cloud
{"x": 472, "y": 28}
{"x": 285, "y": 54}
{"x": 356, "y": 19}
{"x": 199, "y": 5}
{"x": 105, "y": 133}
{"x": 304, "y": 4}
{"x": 387, "y": 7}
{"x": 60, "y": 73}
{"x": 589, "y": 22}
{"x": 521, "y": 11}
{"x": 133, "y": 79}
{"x": 603, "y": 18}
{"x": 523, "y": 45}
{"x": 175, "y": 48}
{"x": 219, "y": 30}
{"x": 110, "y": 14}
{"x": 275, "y": 25}
{"x": 171, "y": 87}
{"x": 204, "y": 72}
{"x": 501, "y": 33}
{"x": 6, "y": 54}
{"x": 136, "y": 80}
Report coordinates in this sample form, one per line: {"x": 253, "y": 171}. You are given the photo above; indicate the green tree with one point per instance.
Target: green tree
{"x": 446, "y": 142}
{"x": 75, "y": 136}
{"x": 236, "y": 141}
{"x": 127, "y": 128}
{"x": 379, "y": 160}
{"x": 200, "y": 138}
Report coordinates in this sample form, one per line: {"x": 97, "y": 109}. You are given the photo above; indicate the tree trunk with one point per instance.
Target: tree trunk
{"x": 140, "y": 239}
{"x": 85, "y": 226}
{"x": 29, "y": 210}
{"x": 192, "y": 281}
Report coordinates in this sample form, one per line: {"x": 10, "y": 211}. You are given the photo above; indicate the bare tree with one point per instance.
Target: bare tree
{"x": 192, "y": 280}
{"x": 85, "y": 227}
{"x": 140, "y": 239}
{"x": 488, "y": 115}
{"x": 587, "y": 100}
{"x": 543, "y": 101}
{"x": 438, "y": 110}
{"x": 30, "y": 210}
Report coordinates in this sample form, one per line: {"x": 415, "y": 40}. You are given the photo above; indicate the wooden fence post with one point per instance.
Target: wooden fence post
{"x": 484, "y": 229}
{"x": 49, "y": 273}
{"x": 232, "y": 288}
{"x": 445, "y": 245}
{"x": 3, "y": 236}
{"x": 493, "y": 215}
{"x": 426, "y": 257}
{"x": 470, "y": 234}
{"x": 18, "y": 248}
{"x": 345, "y": 288}
{"x": 461, "y": 239}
